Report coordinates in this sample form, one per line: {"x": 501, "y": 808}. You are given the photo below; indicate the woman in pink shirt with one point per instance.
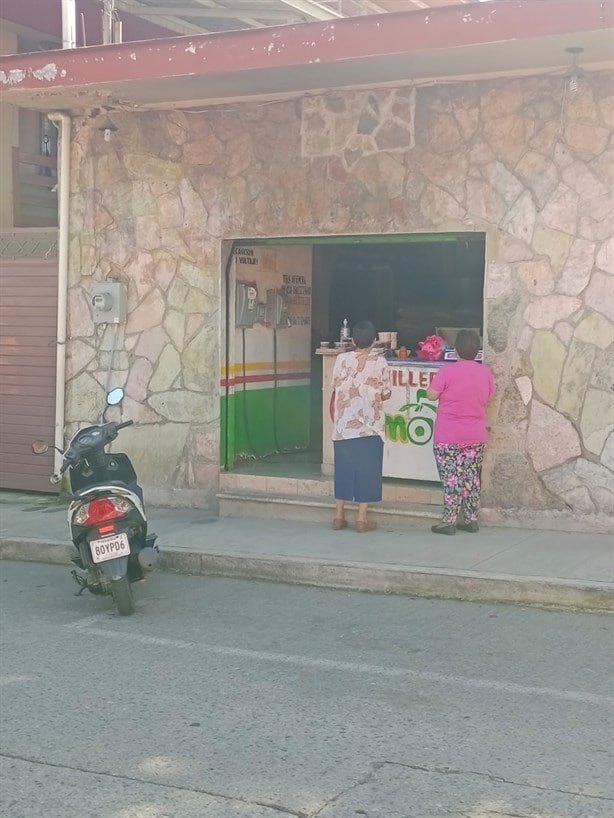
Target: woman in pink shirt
{"x": 463, "y": 390}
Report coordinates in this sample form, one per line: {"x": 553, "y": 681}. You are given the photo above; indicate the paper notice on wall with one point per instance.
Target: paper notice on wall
{"x": 296, "y": 289}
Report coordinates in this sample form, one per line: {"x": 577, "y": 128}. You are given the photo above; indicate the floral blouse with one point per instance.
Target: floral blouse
{"x": 361, "y": 381}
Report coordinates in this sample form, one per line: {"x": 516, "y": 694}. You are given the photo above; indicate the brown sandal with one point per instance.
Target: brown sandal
{"x": 364, "y": 528}
{"x": 339, "y": 523}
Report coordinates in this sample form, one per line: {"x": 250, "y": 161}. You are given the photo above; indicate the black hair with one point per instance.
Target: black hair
{"x": 363, "y": 334}
{"x": 467, "y": 344}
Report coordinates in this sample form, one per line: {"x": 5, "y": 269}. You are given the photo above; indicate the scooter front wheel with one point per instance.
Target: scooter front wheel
{"x": 122, "y": 596}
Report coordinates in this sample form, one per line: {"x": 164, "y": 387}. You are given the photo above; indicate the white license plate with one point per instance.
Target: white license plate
{"x": 110, "y": 547}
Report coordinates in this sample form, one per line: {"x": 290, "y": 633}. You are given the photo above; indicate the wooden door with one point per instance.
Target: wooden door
{"x": 28, "y": 316}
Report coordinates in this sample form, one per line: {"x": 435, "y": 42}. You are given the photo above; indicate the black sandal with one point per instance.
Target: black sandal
{"x": 470, "y": 527}
{"x": 444, "y": 528}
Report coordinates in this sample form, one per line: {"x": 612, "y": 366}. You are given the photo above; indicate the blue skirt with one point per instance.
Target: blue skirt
{"x": 358, "y": 469}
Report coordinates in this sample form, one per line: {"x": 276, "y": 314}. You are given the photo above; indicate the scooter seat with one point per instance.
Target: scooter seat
{"x": 79, "y": 495}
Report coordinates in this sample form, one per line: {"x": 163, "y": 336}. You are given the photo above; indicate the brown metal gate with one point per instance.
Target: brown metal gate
{"x": 28, "y": 315}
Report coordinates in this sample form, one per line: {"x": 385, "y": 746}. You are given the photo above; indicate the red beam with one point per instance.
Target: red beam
{"x": 284, "y": 46}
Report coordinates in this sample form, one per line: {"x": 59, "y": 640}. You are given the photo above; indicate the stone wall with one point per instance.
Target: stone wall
{"x": 526, "y": 161}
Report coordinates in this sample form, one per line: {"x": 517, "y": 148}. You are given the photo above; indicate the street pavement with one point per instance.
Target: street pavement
{"x": 497, "y": 564}
{"x": 223, "y": 698}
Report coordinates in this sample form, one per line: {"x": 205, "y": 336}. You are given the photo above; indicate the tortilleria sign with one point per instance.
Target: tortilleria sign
{"x": 410, "y": 422}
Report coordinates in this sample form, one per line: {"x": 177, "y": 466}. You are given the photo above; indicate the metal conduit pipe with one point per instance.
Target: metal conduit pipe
{"x": 69, "y": 24}
{"x": 63, "y": 124}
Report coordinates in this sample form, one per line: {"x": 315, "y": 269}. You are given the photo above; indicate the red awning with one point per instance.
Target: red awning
{"x": 481, "y": 39}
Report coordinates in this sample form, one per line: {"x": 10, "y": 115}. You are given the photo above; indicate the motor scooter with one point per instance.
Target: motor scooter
{"x": 106, "y": 517}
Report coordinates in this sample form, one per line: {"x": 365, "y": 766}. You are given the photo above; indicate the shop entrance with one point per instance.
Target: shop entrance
{"x": 287, "y": 296}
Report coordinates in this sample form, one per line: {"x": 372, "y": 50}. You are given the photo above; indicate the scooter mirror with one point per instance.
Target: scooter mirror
{"x": 40, "y": 447}
{"x": 115, "y": 396}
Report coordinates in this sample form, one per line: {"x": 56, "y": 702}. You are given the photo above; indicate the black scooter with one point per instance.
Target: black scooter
{"x": 106, "y": 518}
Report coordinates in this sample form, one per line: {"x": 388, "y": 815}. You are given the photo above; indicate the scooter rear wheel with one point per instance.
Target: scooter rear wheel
{"x": 122, "y": 596}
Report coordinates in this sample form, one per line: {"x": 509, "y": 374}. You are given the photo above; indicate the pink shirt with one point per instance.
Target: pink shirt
{"x": 464, "y": 389}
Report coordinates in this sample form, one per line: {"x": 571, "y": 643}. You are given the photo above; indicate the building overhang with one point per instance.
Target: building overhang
{"x": 503, "y": 37}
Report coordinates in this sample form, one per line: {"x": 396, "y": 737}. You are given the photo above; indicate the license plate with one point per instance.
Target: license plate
{"x": 110, "y": 547}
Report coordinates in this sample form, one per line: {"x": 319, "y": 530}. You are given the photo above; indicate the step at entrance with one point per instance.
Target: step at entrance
{"x": 312, "y": 500}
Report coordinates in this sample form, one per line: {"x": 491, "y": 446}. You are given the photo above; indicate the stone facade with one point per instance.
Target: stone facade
{"x": 525, "y": 161}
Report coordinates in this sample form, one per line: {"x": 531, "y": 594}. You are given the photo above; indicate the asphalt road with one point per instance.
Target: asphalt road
{"x": 228, "y": 699}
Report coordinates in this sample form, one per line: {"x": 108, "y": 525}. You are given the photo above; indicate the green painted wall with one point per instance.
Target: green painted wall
{"x": 252, "y": 420}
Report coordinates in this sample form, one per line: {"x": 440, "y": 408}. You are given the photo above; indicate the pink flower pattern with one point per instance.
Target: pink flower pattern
{"x": 460, "y": 469}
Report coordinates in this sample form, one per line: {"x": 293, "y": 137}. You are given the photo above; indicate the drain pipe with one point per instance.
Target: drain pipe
{"x": 63, "y": 124}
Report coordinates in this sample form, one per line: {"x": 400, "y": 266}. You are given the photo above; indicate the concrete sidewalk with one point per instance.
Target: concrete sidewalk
{"x": 498, "y": 564}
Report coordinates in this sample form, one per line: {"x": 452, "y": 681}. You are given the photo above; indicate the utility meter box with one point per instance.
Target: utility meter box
{"x": 246, "y": 310}
{"x": 109, "y": 302}
{"x": 276, "y": 310}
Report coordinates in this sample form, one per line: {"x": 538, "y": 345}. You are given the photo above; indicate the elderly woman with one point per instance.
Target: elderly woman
{"x": 463, "y": 390}
{"x": 361, "y": 385}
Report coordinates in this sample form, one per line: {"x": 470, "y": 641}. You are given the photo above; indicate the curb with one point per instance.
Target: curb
{"x": 434, "y": 583}
{"x": 32, "y": 550}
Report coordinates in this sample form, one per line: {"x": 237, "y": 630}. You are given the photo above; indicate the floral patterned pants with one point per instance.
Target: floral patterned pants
{"x": 460, "y": 470}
